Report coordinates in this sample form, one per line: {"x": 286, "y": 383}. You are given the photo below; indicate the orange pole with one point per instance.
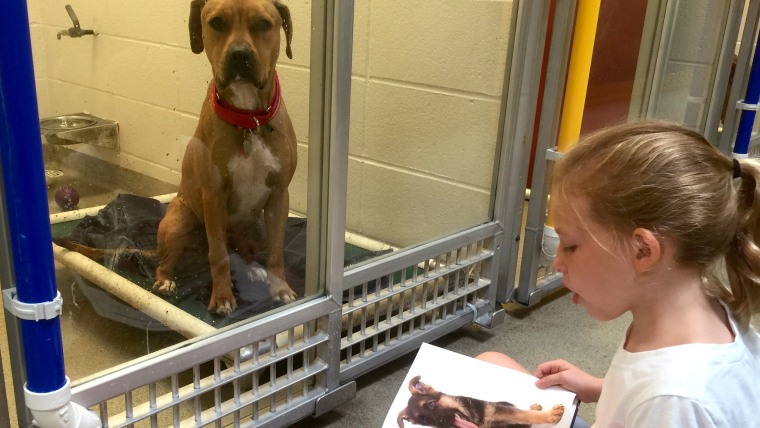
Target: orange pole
{"x": 578, "y": 73}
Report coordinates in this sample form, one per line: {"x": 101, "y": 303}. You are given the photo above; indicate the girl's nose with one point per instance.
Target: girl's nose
{"x": 558, "y": 264}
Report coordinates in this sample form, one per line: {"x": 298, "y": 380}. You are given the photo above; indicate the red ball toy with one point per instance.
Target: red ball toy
{"x": 67, "y": 197}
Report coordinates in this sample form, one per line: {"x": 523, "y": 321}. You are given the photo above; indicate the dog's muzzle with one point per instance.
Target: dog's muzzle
{"x": 239, "y": 64}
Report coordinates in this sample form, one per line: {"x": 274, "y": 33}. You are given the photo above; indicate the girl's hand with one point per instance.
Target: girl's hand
{"x": 560, "y": 372}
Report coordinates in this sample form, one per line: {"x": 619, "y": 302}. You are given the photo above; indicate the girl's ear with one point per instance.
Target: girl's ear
{"x": 647, "y": 250}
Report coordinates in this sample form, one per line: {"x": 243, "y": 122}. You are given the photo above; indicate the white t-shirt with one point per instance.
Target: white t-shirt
{"x": 695, "y": 385}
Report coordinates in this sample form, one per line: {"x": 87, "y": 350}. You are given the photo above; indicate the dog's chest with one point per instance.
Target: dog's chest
{"x": 249, "y": 174}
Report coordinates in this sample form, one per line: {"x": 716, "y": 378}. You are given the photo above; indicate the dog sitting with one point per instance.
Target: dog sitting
{"x": 239, "y": 163}
{"x": 435, "y": 409}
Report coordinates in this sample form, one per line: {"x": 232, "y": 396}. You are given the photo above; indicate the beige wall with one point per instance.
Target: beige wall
{"x": 691, "y": 61}
{"x": 431, "y": 60}
{"x": 426, "y": 95}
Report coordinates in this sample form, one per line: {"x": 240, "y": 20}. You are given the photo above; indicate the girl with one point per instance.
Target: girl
{"x": 647, "y": 213}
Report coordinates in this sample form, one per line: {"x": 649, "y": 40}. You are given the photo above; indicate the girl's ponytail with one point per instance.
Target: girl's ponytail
{"x": 743, "y": 255}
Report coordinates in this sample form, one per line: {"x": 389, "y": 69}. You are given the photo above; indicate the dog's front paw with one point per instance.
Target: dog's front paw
{"x": 280, "y": 290}
{"x": 166, "y": 287}
{"x": 222, "y": 303}
{"x": 557, "y": 412}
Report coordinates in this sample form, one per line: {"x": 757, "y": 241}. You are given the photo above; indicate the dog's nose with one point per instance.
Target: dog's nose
{"x": 240, "y": 58}
{"x": 239, "y": 64}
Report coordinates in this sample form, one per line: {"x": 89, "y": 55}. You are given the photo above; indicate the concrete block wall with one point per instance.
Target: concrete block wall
{"x": 425, "y": 99}
{"x": 426, "y": 95}
{"x": 693, "y": 55}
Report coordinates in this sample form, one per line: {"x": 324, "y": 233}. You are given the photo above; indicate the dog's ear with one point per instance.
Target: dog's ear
{"x": 413, "y": 385}
{"x": 402, "y": 416}
{"x": 418, "y": 387}
{"x": 287, "y": 25}
{"x": 196, "y": 26}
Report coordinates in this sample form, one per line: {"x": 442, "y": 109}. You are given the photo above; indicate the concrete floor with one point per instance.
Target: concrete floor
{"x": 554, "y": 329}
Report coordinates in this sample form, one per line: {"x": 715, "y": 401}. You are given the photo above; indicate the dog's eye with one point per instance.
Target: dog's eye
{"x": 432, "y": 404}
{"x": 261, "y": 26}
{"x": 217, "y": 24}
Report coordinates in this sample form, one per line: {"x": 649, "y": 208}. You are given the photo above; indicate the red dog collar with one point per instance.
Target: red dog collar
{"x": 247, "y": 119}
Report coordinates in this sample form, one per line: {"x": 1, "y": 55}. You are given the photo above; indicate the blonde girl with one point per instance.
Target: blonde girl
{"x": 650, "y": 216}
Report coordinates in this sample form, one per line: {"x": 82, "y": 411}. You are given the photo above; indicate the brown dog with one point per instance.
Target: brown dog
{"x": 435, "y": 409}
{"x": 237, "y": 166}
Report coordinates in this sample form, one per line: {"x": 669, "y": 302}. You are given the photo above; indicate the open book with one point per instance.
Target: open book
{"x": 442, "y": 388}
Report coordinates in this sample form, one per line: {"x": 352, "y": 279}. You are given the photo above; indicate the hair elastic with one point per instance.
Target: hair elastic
{"x": 737, "y": 169}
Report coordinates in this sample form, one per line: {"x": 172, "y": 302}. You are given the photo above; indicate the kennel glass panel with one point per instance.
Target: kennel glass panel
{"x": 118, "y": 107}
{"x": 425, "y": 109}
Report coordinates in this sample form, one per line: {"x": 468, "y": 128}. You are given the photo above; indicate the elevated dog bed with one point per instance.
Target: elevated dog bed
{"x": 123, "y": 237}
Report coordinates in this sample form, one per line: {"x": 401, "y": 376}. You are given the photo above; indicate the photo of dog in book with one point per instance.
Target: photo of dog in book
{"x": 445, "y": 389}
{"x": 432, "y": 408}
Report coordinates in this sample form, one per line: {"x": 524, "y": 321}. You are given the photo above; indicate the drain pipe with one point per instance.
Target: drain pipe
{"x": 749, "y": 107}
{"x": 35, "y": 299}
{"x": 576, "y": 88}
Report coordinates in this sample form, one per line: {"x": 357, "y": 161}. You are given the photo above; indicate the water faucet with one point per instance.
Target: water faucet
{"x": 76, "y": 30}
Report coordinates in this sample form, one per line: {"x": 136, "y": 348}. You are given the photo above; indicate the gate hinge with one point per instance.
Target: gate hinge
{"x": 32, "y": 311}
{"x": 484, "y": 316}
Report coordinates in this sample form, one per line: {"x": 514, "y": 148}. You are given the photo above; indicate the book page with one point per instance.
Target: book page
{"x": 456, "y": 375}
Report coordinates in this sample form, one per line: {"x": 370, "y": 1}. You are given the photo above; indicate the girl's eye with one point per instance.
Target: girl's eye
{"x": 569, "y": 248}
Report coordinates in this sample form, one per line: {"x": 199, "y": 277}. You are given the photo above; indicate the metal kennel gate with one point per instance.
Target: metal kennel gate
{"x": 302, "y": 360}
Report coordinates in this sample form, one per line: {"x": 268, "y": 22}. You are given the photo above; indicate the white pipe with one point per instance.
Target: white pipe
{"x": 549, "y": 246}
{"x": 139, "y": 298}
{"x": 55, "y": 409}
{"x": 81, "y": 213}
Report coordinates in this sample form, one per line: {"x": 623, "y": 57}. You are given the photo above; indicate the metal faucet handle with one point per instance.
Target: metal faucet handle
{"x": 72, "y": 15}
{"x": 76, "y": 30}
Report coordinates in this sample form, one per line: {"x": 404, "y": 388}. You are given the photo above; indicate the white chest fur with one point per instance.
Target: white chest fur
{"x": 249, "y": 179}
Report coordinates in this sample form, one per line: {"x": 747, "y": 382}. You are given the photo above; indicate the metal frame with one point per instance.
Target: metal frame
{"x": 13, "y": 327}
{"x": 302, "y": 360}
{"x": 656, "y": 47}
{"x": 535, "y": 280}
{"x": 521, "y": 86}
{"x": 711, "y": 125}
{"x": 741, "y": 76}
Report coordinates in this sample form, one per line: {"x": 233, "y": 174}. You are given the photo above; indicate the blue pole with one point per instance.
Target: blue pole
{"x": 747, "y": 120}
{"x": 26, "y": 199}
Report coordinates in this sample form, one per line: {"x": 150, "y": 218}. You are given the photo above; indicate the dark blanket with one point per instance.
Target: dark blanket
{"x": 127, "y": 228}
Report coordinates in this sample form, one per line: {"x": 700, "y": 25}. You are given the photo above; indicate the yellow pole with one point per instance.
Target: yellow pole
{"x": 577, "y": 76}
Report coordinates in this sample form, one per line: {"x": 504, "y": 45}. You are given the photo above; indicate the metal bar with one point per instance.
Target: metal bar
{"x": 662, "y": 55}
{"x": 26, "y": 200}
{"x": 339, "y": 142}
{"x": 741, "y": 75}
{"x": 547, "y": 134}
{"x": 402, "y": 259}
{"x": 12, "y": 324}
{"x": 723, "y": 70}
{"x": 519, "y": 96}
